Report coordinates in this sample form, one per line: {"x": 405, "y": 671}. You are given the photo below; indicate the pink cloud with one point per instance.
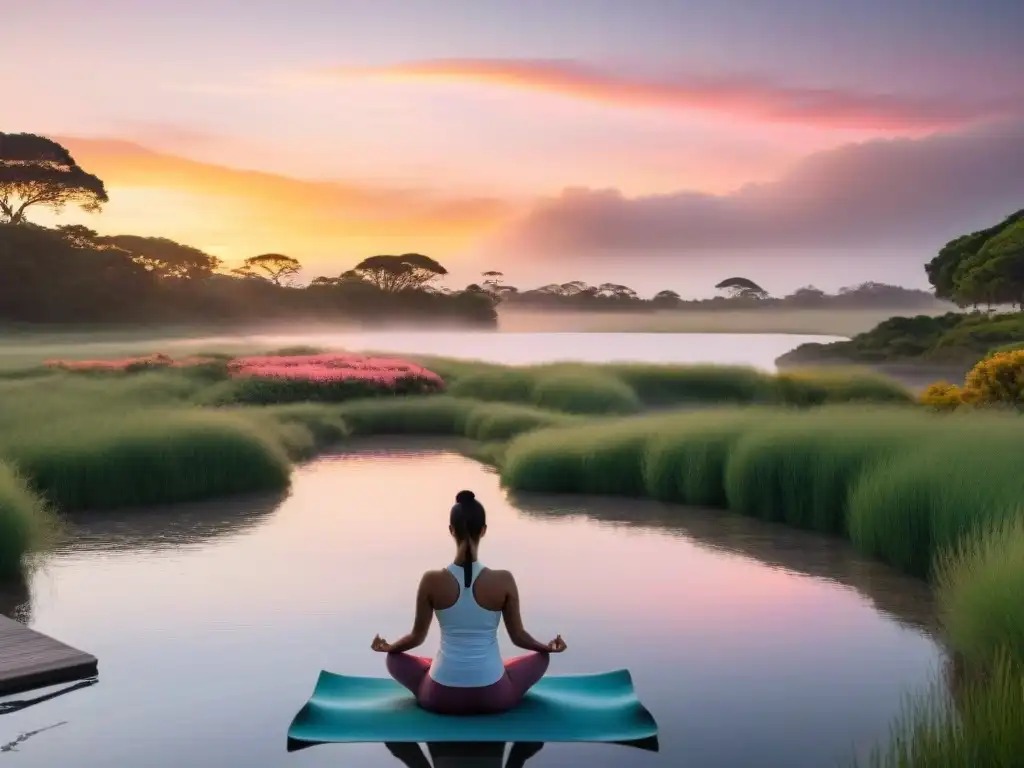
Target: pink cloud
{"x": 895, "y": 192}
{"x": 742, "y": 97}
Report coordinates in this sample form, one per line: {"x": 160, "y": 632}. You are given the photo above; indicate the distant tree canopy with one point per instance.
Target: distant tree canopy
{"x": 275, "y": 267}
{"x": 393, "y": 274}
{"x": 666, "y": 298}
{"x": 163, "y": 257}
{"x": 492, "y": 277}
{"x": 577, "y": 295}
{"x": 78, "y": 235}
{"x": 983, "y": 267}
{"x": 742, "y": 288}
{"x": 37, "y": 171}
{"x": 69, "y": 275}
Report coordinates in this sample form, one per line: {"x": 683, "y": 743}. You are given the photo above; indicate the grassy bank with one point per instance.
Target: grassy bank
{"x": 954, "y": 339}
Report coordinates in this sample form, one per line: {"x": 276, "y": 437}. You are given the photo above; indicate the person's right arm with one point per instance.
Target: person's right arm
{"x": 514, "y": 624}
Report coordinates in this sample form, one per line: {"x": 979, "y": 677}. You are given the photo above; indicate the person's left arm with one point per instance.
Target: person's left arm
{"x": 420, "y": 625}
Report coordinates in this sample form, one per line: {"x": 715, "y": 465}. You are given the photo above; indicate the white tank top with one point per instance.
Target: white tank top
{"x": 469, "y": 655}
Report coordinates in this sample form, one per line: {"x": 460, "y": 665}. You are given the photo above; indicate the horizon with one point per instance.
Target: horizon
{"x": 668, "y": 147}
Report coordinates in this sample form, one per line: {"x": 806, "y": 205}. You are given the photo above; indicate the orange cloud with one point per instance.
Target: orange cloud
{"x": 750, "y": 98}
{"x": 248, "y": 211}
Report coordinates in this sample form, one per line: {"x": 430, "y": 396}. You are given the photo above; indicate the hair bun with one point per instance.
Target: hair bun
{"x": 464, "y": 497}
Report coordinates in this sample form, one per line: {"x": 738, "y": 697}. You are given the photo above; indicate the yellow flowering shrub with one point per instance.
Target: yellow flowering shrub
{"x": 998, "y": 379}
{"x": 943, "y": 396}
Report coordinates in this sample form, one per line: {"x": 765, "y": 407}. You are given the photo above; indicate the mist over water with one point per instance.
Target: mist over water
{"x": 529, "y": 348}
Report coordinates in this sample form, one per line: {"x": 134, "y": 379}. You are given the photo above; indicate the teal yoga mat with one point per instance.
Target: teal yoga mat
{"x": 599, "y": 708}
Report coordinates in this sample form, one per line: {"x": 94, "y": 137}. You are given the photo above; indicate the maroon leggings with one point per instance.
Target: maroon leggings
{"x": 521, "y": 674}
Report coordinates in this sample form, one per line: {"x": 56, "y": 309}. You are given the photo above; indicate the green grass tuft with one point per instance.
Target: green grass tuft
{"x": 979, "y": 728}
{"x": 692, "y": 470}
{"x": 661, "y": 385}
{"x": 450, "y": 416}
{"x": 25, "y": 523}
{"x": 573, "y": 390}
{"x": 152, "y": 457}
{"x": 981, "y": 591}
{"x": 510, "y": 385}
{"x": 821, "y": 386}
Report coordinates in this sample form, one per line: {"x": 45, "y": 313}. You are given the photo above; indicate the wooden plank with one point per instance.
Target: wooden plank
{"x": 30, "y": 659}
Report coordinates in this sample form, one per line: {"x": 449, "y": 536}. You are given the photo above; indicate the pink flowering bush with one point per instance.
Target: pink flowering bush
{"x": 326, "y": 377}
{"x": 281, "y": 378}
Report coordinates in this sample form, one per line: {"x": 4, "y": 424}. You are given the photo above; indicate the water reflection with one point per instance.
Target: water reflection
{"x": 470, "y": 754}
{"x": 908, "y": 601}
{"x": 16, "y": 705}
{"x": 152, "y": 529}
{"x": 464, "y": 754}
{"x": 16, "y": 600}
{"x": 12, "y": 746}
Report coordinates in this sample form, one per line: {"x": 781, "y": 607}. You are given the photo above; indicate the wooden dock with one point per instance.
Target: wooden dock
{"x": 30, "y": 660}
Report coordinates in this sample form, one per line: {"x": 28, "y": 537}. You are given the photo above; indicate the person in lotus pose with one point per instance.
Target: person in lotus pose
{"x": 468, "y": 676}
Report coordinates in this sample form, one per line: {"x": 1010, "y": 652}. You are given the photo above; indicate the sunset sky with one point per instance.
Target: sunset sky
{"x": 659, "y": 143}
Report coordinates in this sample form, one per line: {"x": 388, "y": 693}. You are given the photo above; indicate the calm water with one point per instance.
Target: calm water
{"x": 752, "y": 645}
{"x": 759, "y": 350}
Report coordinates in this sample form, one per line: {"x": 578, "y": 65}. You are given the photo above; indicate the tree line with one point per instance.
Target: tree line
{"x": 71, "y": 274}
{"x": 735, "y": 293}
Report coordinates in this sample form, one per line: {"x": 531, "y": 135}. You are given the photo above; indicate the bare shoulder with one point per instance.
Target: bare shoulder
{"x": 434, "y": 577}
{"x": 505, "y": 578}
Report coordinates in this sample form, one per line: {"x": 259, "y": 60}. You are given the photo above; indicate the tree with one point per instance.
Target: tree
{"x": 164, "y": 257}
{"x": 35, "y": 170}
{"x": 666, "y": 298}
{"x": 279, "y": 269}
{"x": 492, "y": 279}
{"x": 995, "y": 274}
{"x": 742, "y": 288}
{"x": 808, "y": 296}
{"x": 325, "y": 282}
{"x": 493, "y": 284}
{"x": 959, "y": 256}
{"x": 576, "y": 288}
{"x": 78, "y": 235}
{"x": 615, "y": 291}
{"x": 392, "y": 274}
{"x": 551, "y": 289}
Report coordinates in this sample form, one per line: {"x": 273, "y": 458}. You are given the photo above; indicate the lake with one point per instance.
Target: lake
{"x": 752, "y": 644}
{"x": 758, "y": 350}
